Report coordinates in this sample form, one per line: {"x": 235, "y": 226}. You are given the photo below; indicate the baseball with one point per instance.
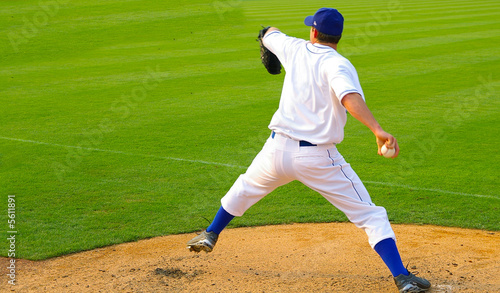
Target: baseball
{"x": 388, "y": 153}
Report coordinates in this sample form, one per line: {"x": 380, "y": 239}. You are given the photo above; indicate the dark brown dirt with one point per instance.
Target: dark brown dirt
{"x": 330, "y": 257}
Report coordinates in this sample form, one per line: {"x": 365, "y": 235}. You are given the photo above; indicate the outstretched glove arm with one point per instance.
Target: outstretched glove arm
{"x": 270, "y": 61}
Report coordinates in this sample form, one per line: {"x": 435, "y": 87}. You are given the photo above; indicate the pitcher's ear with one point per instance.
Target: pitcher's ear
{"x": 315, "y": 32}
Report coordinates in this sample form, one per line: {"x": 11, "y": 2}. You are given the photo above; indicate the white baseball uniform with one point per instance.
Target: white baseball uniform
{"x": 306, "y": 127}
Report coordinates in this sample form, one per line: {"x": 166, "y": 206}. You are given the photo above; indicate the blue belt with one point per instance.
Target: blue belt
{"x": 302, "y": 143}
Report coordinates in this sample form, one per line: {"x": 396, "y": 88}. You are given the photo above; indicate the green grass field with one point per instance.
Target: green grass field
{"x": 123, "y": 120}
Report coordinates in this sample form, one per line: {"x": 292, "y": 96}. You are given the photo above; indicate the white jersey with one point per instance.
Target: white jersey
{"x": 317, "y": 79}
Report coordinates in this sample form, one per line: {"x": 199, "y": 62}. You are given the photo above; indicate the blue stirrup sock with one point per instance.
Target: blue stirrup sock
{"x": 389, "y": 253}
{"x": 222, "y": 218}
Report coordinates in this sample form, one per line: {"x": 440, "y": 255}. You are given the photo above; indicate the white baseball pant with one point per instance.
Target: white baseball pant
{"x": 321, "y": 168}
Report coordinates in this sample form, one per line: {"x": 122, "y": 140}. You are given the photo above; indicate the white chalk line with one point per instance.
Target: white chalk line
{"x": 430, "y": 189}
{"x": 239, "y": 167}
{"x": 121, "y": 153}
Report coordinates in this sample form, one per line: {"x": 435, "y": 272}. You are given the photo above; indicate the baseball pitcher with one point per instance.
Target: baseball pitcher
{"x": 320, "y": 86}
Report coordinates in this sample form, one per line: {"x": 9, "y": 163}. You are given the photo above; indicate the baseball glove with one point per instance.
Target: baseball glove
{"x": 270, "y": 61}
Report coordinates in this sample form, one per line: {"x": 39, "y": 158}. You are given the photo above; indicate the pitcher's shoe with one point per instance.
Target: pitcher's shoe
{"x": 205, "y": 241}
{"x": 411, "y": 283}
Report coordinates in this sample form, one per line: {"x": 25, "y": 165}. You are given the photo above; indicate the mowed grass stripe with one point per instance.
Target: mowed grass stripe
{"x": 465, "y": 99}
{"x": 431, "y": 64}
{"x": 451, "y": 3}
{"x": 58, "y": 87}
{"x": 355, "y": 11}
{"x": 411, "y": 30}
{"x": 252, "y": 11}
{"x": 105, "y": 80}
{"x": 426, "y": 42}
{"x": 70, "y": 65}
{"x": 438, "y": 81}
{"x": 99, "y": 12}
{"x": 400, "y": 18}
{"x": 114, "y": 55}
{"x": 95, "y": 21}
{"x": 453, "y": 9}
{"x": 444, "y": 6}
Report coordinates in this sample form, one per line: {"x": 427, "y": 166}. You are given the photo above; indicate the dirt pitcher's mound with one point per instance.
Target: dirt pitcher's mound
{"x": 331, "y": 257}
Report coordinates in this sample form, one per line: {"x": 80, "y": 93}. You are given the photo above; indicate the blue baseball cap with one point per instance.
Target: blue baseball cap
{"x": 326, "y": 20}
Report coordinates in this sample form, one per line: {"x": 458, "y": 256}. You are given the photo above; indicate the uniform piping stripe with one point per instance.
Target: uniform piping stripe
{"x": 342, "y": 170}
{"x": 352, "y": 183}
